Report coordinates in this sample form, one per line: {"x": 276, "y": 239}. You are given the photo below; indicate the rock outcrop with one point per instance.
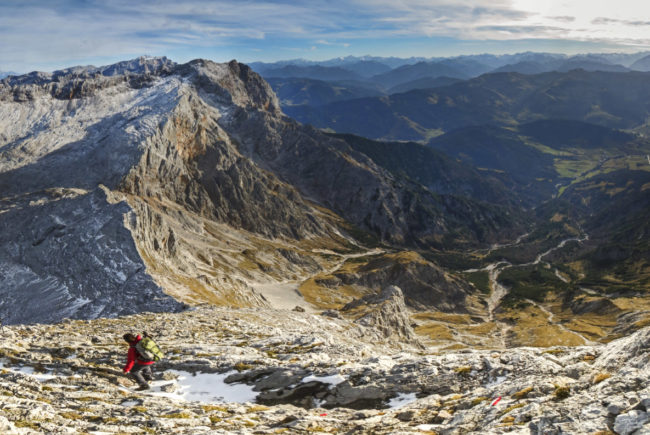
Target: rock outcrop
{"x": 298, "y": 372}
{"x": 386, "y": 314}
{"x": 424, "y": 283}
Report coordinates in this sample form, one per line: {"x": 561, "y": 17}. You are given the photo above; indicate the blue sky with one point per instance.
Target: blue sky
{"x": 50, "y": 34}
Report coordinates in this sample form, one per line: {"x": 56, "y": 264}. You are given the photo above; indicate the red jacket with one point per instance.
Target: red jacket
{"x": 133, "y": 357}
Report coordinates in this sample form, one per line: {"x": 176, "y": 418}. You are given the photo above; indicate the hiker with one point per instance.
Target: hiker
{"x": 137, "y": 365}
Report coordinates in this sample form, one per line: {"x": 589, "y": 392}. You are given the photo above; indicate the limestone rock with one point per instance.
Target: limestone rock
{"x": 387, "y": 314}
{"x": 313, "y": 373}
{"x": 627, "y": 423}
{"x": 632, "y": 351}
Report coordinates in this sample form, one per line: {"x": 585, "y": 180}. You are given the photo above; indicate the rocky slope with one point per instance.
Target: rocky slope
{"x": 239, "y": 371}
{"x": 145, "y": 179}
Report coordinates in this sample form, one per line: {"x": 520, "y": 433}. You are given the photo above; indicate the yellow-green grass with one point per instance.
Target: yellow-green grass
{"x": 522, "y": 394}
{"x": 590, "y": 327}
{"x": 482, "y": 329}
{"x": 632, "y": 303}
{"x": 570, "y": 168}
{"x": 532, "y": 328}
{"x": 435, "y": 332}
{"x": 457, "y": 330}
{"x": 458, "y": 319}
{"x": 328, "y": 298}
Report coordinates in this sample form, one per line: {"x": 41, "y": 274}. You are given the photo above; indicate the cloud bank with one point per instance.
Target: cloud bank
{"x": 64, "y": 32}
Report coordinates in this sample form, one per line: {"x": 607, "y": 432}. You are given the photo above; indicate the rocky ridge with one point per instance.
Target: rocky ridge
{"x": 313, "y": 374}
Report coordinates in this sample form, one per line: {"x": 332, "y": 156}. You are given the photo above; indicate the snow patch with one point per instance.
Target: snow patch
{"x": 334, "y": 379}
{"x": 27, "y": 370}
{"x": 499, "y": 380}
{"x": 402, "y": 399}
{"x": 210, "y": 387}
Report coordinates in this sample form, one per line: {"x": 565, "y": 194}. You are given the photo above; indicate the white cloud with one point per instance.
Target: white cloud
{"x": 49, "y": 31}
{"x": 332, "y": 44}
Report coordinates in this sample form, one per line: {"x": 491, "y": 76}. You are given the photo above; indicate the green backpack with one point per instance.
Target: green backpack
{"x": 149, "y": 350}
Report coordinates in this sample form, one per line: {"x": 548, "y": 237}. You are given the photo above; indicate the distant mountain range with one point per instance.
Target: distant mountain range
{"x": 316, "y": 72}
{"x": 570, "y": 144}
{"x": 409, "y": 73}
{"x": 642, "y": 64}
{"x": 610, "y": 99}
{"x": 4, "y": 74}
{"x": 302, "y": 91}
{"x": 400, "y": 75}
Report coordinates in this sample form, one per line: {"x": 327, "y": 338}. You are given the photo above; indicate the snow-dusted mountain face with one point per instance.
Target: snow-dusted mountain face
{"x": 145, "y": 184}
{"x": 65, "y": 248}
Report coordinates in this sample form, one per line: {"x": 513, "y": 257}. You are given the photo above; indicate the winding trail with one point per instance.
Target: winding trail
{"x": 499, "y": 291}
{"x": 561, "y": 245}
{"x": 345, "y": 257}
{"x": 496, "y": 246}
{"x": 560, "y": 277}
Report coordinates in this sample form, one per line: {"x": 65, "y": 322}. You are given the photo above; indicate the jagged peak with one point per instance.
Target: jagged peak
{"x": 233, "y": 82}
{"x": 244, "y": 86}
{"x": 139, "y": 65}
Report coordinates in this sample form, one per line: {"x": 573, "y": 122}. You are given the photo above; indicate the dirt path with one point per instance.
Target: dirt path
{"x": 499, "y": 292}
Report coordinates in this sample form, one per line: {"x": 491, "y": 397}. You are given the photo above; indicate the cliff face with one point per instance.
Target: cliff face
{"x": 148, "y": 178}
{"x": 64, "y": 248}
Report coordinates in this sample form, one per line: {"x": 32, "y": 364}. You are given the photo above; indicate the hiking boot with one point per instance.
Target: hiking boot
{"x": 143, "y": 388}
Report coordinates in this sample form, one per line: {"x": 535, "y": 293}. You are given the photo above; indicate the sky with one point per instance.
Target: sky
{"x": 52, "y": 34}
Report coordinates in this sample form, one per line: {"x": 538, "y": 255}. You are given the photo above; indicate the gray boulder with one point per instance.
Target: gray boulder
{"x": 628, "y": 423}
